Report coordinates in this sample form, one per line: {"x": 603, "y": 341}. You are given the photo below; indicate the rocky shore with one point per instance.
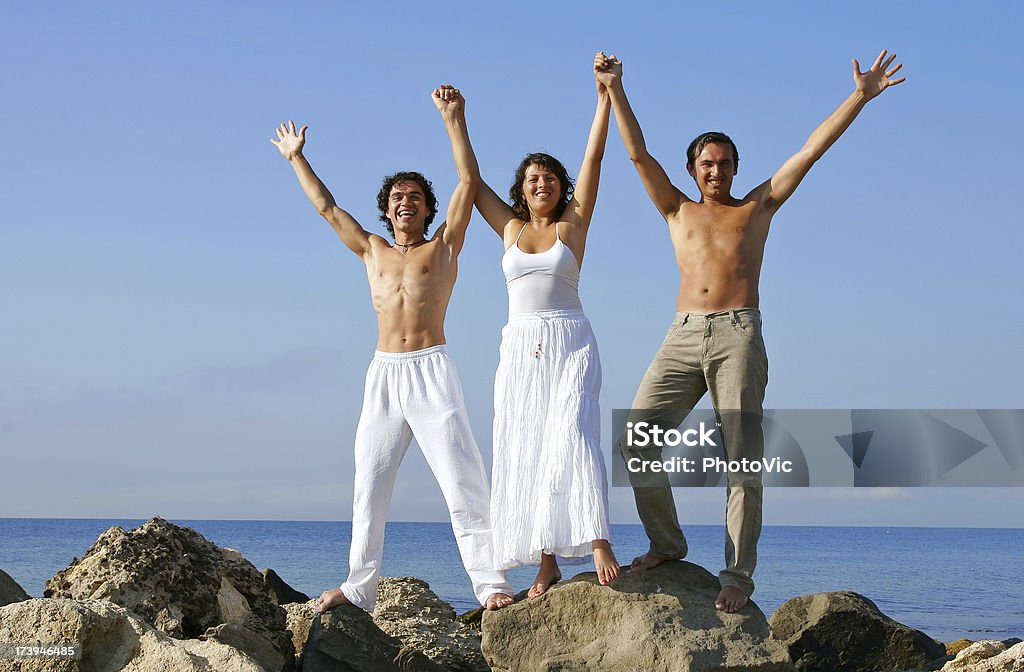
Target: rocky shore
{"x": 162, "y": 597}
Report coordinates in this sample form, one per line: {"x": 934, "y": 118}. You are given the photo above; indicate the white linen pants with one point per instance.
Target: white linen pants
{"x": 418, "y": 394}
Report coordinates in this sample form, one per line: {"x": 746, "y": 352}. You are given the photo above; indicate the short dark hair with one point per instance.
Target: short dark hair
{"x": 547, "y": 162}
{"x": 385, "y": 192}
{"x": 703, "y": 140}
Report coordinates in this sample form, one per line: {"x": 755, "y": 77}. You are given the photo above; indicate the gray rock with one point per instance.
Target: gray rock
{"x": 10, "y": 591}
{"x": 345, "y": 639}
{"x": 845, "y": 632}
{"x": 176, "y": 581}
{"x": 110, "y": 639}
{"x": 254, "y": 643}
{"x": 408, "y": 609}
{"x": 660, "y": 620}
{"x": 280, "y": 592}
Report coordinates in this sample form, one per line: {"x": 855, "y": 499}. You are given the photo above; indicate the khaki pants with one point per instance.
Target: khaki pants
{"x": 722, "y": 353}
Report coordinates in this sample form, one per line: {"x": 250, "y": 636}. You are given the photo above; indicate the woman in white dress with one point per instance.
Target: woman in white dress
{"x": 549, "y": 494}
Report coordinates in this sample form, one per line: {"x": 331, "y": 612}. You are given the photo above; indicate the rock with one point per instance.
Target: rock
{"x": 845, "y": 632}
{"x": 110, "y": 639}
{"x": 345, "y": 639}
{"x": 953, "y": 648}
{"x": 988, "y": 656}
{"x": 299, "y": 620}
{"x": 253, "y": 642}
{"x": 975, "y": 653}
{"x": 663, "y": 619}
{"x": 280, "y": 592}
{"x": 10, "y": 591}
{"x": 408, "y": 609}
{"x": 176, "y": 581}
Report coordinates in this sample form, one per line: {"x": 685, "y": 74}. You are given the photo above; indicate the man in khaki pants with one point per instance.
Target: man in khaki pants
{"x": 715, "y": 344}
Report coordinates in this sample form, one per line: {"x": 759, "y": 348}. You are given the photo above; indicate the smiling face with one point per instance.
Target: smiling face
{"x": 413, "y": 191}
{"x": 542, "y": 189}
{"x": 407, "y": 207}
{"x": 713, "y": 170}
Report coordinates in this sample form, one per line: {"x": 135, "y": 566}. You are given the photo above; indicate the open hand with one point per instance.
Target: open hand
{"x": 878, "y": 78}
{"x": 448, "y": 100}
{"x": 607, "y": 70}
{"x": 288, "y": 141}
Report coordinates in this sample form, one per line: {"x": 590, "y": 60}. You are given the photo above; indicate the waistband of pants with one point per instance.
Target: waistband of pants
{"x": 570, "y": 314}
{"x": 382, "y": 356}
{"x": 731, "y": 313}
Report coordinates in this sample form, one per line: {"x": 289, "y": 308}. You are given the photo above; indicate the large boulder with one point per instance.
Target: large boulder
{"x": 10, "y": 591}
{"x": 846, "y": 632}
{"x": 408, "y": 609}
{"x": 177, "y": 581}
{"x": 109, "y": 639}
{"x": 663, "y": 619}
{"x": 345, "y": 639}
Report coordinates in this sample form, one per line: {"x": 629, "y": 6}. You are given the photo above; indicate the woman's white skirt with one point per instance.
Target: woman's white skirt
{"x": 549, "y": 486}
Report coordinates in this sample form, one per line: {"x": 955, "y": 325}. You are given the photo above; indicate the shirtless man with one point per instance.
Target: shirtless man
{"x": 412, "y": 386}
{"x": 715, "y": 344}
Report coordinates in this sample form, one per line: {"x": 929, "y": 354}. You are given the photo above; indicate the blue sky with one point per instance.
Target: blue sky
{"x": 183, "y": 336}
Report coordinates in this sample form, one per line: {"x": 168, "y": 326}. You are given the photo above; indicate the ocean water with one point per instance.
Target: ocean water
{"x": 950, "y": 583}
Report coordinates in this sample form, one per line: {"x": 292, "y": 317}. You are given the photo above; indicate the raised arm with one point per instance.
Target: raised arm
{"x": 666, "y": 197}
{"x": 867, "y": 85}
{"x": 452, "y": 106}
{"x": 495, "y": 211}
{"x": 290, "y": 144}
{"x": 581, "y": 208}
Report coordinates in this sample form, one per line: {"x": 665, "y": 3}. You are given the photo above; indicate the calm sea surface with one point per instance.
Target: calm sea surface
{"x": 950, "y": 583}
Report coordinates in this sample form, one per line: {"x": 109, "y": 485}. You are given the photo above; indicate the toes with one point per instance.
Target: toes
{"x": 497, "y": 601}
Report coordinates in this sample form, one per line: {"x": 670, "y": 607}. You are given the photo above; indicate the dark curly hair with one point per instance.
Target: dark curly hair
{"x": 385, "y": 192}
{"x": 547, "y": 162}
{"x": 703, "y": 140}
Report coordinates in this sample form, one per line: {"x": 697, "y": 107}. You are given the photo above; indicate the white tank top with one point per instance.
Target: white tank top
{"x": 542, "y": 281}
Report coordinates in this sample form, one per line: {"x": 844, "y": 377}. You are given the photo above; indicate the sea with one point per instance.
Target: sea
{"x": 947, "y": 582}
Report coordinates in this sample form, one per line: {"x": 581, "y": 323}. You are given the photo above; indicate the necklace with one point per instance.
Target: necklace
{"x": 408, "y": 246}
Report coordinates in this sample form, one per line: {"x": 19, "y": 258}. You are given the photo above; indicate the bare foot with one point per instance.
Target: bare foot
{"x": 330, "y": 599}
{"x": 547, "y": 575}
{"x": 649, "y": 560}
{"x": 730, "y": 600}
{"x": 604, "y": 562}
{"x": 496, "y": 601}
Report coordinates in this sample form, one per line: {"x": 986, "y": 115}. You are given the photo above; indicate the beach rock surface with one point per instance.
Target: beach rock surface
{"x": 110, "y": 638}
{"x": 177, "y": 581}
{"x": 254, "y": 642}
{"x": 280, "y": 592}
{"x": 10, "y": 591}
{"x": 660, "y": 620}
{"x": 988, "y": 656}
{"x": 955, "y": 647}
{"x": 299, "y": 620}
{"x": 410, "y": 611}
{"x": 345, "y": 639}
{"x": 846, "y": 632}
